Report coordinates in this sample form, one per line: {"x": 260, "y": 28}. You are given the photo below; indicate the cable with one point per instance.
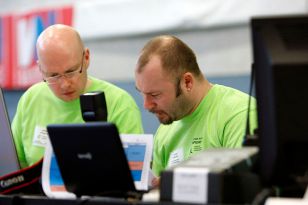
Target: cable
{"x": 250, "y": 139}
{"x": 262, "y": 196}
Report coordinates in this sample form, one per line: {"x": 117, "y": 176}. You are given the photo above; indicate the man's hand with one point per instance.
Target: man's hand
{"x": 155, "y": 182}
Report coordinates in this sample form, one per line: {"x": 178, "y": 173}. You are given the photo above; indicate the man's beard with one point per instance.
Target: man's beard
{"x": 169, "y": 119}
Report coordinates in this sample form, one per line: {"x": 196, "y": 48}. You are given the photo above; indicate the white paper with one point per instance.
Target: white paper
{"x": 285, "y": 201}
{"x": 138, "y": 149}
{"x": 190, "y": 185}
{"x": 306, "y": 194}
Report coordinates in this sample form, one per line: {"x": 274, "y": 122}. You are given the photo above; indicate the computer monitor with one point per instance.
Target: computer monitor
{"x": 280, "y": 54}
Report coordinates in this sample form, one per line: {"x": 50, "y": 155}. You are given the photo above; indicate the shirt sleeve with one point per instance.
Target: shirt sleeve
{"x": 234, "y": 131}
{"x": 126, "y": 115}
{"x": 157, "y": 165}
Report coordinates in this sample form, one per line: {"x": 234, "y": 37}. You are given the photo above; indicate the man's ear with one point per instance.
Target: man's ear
{"x": 87, "y": 57}
{"x": 188, "y": 81}
{"x": 87, "y": 53}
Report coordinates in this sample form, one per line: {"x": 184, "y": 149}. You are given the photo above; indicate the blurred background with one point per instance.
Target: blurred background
{"x": 116, "y": 30}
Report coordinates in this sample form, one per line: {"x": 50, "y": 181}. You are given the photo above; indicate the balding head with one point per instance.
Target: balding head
{"x": 59, "y": 39}
{"x": 62, "y": 56}
{"x": 176, "y": 57}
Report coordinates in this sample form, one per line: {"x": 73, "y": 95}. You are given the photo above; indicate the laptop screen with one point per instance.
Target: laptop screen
{"x": 8, "y": 156}
{"x": 91, "y": 159}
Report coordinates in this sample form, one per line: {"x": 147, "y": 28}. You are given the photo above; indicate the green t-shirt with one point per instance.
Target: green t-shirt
{"x": 39, "y": 107}
{"x": 218, "y": 121}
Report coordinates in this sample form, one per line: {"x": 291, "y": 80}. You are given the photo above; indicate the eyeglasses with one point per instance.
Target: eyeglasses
{"x": 68, "y": 75}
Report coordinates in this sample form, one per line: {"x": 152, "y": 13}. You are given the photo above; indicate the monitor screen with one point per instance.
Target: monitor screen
{"x": 280, "y": 54}
{"x": 8, "y": 156}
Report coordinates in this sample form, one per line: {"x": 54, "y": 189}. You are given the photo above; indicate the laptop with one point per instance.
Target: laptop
{"x": 8, "y": 155}
{"x": 92, "y": 160}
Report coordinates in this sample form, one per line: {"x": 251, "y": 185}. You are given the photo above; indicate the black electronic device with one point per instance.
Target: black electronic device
{"x": 93, "y": 106}
{"x": 95, "y": 163}
{"x": 219, "y": 176}
{"x": 8, "y": 156}
{"x": 280, "y": 54}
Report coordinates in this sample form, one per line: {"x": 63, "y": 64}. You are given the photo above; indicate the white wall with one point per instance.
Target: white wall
{"x": 220, "y": 52}
{"x": 116, "y": 30}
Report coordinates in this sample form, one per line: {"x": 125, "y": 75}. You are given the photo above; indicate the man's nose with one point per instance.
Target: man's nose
{"x": 64, "y": 82}
{"x": 148, "y": 103}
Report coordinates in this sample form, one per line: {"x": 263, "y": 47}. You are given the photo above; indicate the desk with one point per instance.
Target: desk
{"x": 41, "y": 200}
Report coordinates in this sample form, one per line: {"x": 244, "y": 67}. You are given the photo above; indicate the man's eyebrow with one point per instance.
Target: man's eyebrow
{"x": 147, "y": 93}
{"x": 50, "y": 73}
{"x": 72, "y": 68}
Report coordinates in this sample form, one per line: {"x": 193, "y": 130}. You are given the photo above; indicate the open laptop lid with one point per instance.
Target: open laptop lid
{"x": 8, "y": 156}
{"x": 91, "y": 159}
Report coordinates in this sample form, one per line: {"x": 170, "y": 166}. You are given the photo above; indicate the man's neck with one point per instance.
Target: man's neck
{"x": 201, "y": 90}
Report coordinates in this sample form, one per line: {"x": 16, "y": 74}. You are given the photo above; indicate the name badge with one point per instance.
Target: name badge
{"x": 176, "y": 157}
{"x": 40, "y": 136}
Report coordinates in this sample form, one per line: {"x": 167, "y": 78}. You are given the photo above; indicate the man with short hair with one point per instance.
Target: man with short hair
{"x": 64, "y": 61}
{"x": 194, "y": 114}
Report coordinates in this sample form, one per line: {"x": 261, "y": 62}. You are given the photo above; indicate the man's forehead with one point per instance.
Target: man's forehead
{"x": 153, "y": 69}
{"x": 57, "y": 69}
{"x": 152, "y": 84}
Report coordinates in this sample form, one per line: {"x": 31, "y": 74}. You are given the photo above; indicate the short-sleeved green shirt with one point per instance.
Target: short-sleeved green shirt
{"x": 218, "y": 121}
{"x": 39, "y": 107}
